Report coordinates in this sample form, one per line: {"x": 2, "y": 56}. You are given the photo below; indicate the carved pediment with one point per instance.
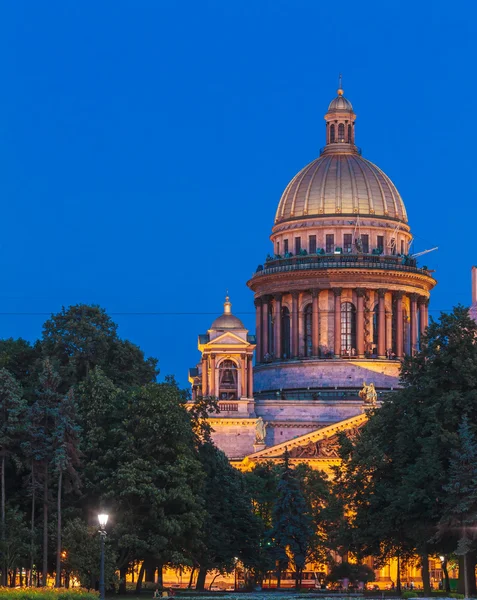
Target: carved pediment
{"x": 325, "y": 448}
{"x": 320, "y": 443}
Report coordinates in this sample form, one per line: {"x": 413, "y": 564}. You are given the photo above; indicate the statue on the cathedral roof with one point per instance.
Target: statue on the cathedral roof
{"x": 368, "y": 394}
{"x": 260, "y": 431}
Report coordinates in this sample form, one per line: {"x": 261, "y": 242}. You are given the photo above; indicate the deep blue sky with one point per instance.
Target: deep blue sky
{"x": 144, "y": 147}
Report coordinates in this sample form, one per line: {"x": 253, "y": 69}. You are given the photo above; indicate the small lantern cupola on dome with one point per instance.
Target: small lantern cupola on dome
{"x": 227, "y": 320}
{"x": 340, "y": 120}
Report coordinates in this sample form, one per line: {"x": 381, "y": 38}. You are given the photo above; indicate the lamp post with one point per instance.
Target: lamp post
{"x": 103, "y": 519}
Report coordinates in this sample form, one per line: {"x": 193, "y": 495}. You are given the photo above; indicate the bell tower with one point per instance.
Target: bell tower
{"x": 226, "y": 367}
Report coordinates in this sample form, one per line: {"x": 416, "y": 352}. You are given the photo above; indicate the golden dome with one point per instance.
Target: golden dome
{"x": 340, "y": 103}
{"x": 341, "y": 183}
{"x": 227, "y": 320}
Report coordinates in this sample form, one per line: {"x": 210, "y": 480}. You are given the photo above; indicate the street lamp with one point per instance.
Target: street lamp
{"x": 103, "y": 519}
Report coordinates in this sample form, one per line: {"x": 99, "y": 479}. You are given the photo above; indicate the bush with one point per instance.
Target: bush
{"x": 35, "y": 593}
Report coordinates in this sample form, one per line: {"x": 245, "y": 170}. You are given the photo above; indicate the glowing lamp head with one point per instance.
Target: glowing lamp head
{"x": 103, "y": 519}
{"x": 442, "y": 558}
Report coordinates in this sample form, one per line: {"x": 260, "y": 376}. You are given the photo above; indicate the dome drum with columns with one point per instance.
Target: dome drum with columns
{"x": 340, "y": 285}
{"x": 338, "y": 302}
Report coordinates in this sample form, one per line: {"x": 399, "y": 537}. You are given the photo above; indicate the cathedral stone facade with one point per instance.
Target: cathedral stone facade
{"x": 339, "y": 301}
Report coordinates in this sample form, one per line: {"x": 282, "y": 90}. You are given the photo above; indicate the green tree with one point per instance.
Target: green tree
{"x": 43, "y": 418}
{"x": 12, "y": 414}
{"x": 398, "y": 468}
{"x": 292, "y": 529}
{"x": 155, "y": 487}
{"x": 230, "y": 530}
{"x": 15, "y": 543}
{"x": 19, "y": 357}
{"x": 66, "y": 460}
{"x": 82, "y": 337}
{"x": 83, "y": 547}
{"x": 460, "y": 502}
{"x": 261, "y": 484}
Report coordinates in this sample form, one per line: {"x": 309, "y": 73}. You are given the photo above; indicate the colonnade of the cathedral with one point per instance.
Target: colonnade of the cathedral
{"x": 339, "y": 322}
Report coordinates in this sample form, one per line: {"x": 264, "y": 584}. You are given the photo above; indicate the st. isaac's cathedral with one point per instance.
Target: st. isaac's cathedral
{"x": 338, "y": 302}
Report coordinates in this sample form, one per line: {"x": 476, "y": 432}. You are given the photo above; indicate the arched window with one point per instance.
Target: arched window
{"x": 375, "y": 328}
{"x": 308, "y": 315}
{"x": 228, "y": 378}
{"x": 350, "y": 135}
{"x": 348, "y": 329}
{"x": 341, "y": 132}
{"x": 285, "y": 332}
{"x": 332, "y": 134}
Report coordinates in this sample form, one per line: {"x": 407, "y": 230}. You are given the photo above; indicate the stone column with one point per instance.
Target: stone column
{"x": 294, "y": 325}
{"x": 382, "y": 324}
{"x": 204, "y": 376}
{"x": 337, "y": 342}
{"x": 389, "y": 331}
{"x": 315, "y": 325}
{"x": 243, "y": 373}
{"x": 360, "y": 323}
{"x": 258, "y": 329}
{"x": 414, "y": 323}
{"x": 250, "y": 377}
{"x": 399, "y": 326}
{"x": 212, "y": 390}
{"x": 265, "y": 348}
{"x": 426, "y": 311}
{"x": 422, "y": 315}
{"x": 278, "y": 326}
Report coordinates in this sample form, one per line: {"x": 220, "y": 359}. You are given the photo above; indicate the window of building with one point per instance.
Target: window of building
{"x": 350, "y": 138}
{"x": 332, "y": 134}
{"x": 228, "y": 378}
{"x": 347, "y": 242}
{"x": 297, "y": 245}
{"x": 348, "y": 329}
{"x": 402, "y": 246}
{"x": 330, "y": 243}
{"x": 341, "y": 132}
{"x": 365, "y": 243}
{"x": 312, "y": 244}
{"x": 278, "y": 248}
{"x": 285, "y": 332}
{"x": 393, "y": 246}
{"x": 285, "y": 246}
{"x": 308, "y": 314}
{"x": 380, "y": 243}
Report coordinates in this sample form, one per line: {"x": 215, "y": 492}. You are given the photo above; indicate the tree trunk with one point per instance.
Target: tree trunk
{"x": 200, "y": 583}
{"x": 213, "y": 579}
{"x": 446, "y": 576}
{"x": 4, "y": 563}
{"x": 123, "y": 571}
{"x": 149, "y": 570}
{"x": 58, "y": 532}
{"x": 44, "y": 581}
{"x": 398, "y": 575}
{"x": 426, "y": 583}
{"x": 160, "y": 575}
{"x": 140, "y": 577}
{"x": 32, "y": 530}
{"x": 191, "y": 578}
